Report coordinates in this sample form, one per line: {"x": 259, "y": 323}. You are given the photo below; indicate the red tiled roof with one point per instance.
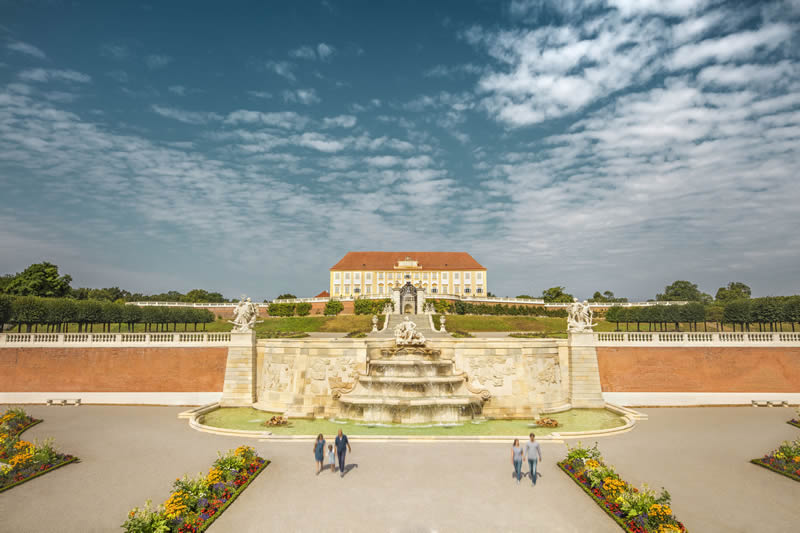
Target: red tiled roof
{"x": 425, "y": 260}
{"x": 323, "y": 294}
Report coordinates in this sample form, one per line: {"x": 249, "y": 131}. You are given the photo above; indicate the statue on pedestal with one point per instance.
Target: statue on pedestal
{"x": 244, "y": 316}
{"x": 580, "y": 317}
{"x": 374, "y": 323}
{"x": 406, "y": 334}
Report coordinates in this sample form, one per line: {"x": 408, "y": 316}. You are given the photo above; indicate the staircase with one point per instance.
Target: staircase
{"x": 422, "y": 322}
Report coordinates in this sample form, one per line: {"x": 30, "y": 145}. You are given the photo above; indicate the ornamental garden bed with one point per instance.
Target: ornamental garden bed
{"x": 794, "y": 422}
{"x": 634, "y": 510}
{"x": 196, "y": 502}
{"x": 785, "y": 460}
{"x": 20, "y": 460}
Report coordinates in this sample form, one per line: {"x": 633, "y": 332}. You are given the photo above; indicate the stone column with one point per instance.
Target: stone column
{"x": 585, "y": 388}
{"x": 396, "y": 300}
{"x": 420, "y": 301}
{"x": 239, "y": 389}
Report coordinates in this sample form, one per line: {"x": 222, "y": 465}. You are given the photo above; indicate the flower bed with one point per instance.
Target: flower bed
{"x": 20, "y": 460}
{"x": 794, "y": 422}
{"x": 785, "y": 460}
{"x": 195, "y": 503}
{"x": 635, "y": 510}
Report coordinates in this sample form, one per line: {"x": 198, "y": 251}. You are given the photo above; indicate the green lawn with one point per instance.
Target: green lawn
{"x": 253, "y": 419}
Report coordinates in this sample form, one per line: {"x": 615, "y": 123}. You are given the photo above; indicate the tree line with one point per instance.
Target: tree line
{"x": 56, "y": 315}
{"x": 768, "y": 314}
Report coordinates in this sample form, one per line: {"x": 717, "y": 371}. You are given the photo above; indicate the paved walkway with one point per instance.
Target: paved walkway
{"x": 130, "y": 454}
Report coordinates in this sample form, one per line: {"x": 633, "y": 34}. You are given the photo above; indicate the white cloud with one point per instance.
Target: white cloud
{"x": 325, "y": 51}
{"x": 44, "y": 75}
{"x": 157, "y": 61}
{"x": 180, "y": 90}
{"x": 283, "y": 119}
{"x": 114, "y": 51}
{"x": 743, "y": 75}
{"x": 264, "y": 95}
{"x": 119, "y": 75}
{"x": 739, "y": 45}
{"x": 282, "y": 68}
{"x": 26, "y": 48}
{"x": 341, "y": 121}
{"x": 660, "y": 7}
{"x": 301, "y": 96}
{"x": 187, "y": 117}
{"x": 303, "y": 52}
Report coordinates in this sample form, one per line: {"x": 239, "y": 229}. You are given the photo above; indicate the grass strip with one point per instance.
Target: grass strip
{"x": 760, "y": 462}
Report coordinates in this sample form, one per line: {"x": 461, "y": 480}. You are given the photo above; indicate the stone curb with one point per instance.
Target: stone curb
{"x": 630, "y": 416}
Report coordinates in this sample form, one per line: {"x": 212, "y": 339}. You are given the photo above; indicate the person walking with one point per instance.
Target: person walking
{"x": 516, "y": 459}
{"x": 534, "y": 453}
{"x": 319, "y": 451}
{"x": 342, "y": 447}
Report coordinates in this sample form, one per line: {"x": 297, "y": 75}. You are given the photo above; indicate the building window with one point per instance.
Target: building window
{"x": 356, "y": 290}
{"x": 380, "y": 289}
{"x": 444, "y": 276}
{"x": 408, "y": 276}
{"x": 455, "y": 276}
{"x": 347, "y": 276}
{"x": 368, "y": 277}
{"x": 380, "y": 275}
{"x": 434, "y": 290}
{"x": 424, "y": 275}
{"x": 480, "y": 277}
{"x": 479, "y": 290}
{"x": 466, "y": 289}
{"x": 336, "y": 289}
{"x": 347, "y": 289}
{"x": 337, "y": 276}
{"x": 466, "y": 277}
{"x": 368, "y": 289}
{"x": 416, "y": 275}
{"x": 357, "y": 277}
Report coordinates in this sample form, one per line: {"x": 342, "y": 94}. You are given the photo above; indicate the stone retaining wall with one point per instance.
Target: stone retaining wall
{"x": 699, "y": 369}
{"x": 168, "y": 369}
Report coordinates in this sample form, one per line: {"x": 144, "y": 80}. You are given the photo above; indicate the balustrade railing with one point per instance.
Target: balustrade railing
{"x": 689, "y": 338}
{"x": 114, "y": 338}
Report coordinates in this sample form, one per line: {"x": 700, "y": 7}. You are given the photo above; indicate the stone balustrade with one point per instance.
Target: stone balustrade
{"x": 696, "y": 338}
{"x": 428, "y": 296}
{"x": 114, "y": 339}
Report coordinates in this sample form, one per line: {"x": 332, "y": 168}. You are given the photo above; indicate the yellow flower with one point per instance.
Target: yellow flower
{"x": 243, "y": 450}
{"x": 591, "y": 463}
{"x": 176, "y": 504}
{"x": 660, "y": 511}
{"x": 214, "y": 476}
{"x": 668, "y": 528}
{"x": 780, "y": 455}
{"x": 613, "y": 485}
{"x": 22, "y": 444}
{"x": 796, "y": 459}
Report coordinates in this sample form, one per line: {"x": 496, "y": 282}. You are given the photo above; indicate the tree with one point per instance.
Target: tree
{"x": 287, "y": 296}
{"x": 28, "y": 310}
{"x": 791, "y": 310}
{"x": 716, "y": 314}
{"x": 303, "y": 309}
{"x": 5, "y": 311}
{"x": 683, "y": 291}
{"x": 738, "y": 312}
{"x": 525, "y": 297}
{"x": 40, "y": 279}
{"x": 613, "y": 315}
{"x": 556, "y": 295}
{"x": 692, "y": 313}
{"x": 736, "y": 290}
{"x": 333, "y": 307}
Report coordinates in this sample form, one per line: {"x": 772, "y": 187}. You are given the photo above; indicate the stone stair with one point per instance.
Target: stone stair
{"x": 423, "y": 326}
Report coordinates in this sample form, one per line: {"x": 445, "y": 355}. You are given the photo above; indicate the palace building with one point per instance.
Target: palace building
{"x": 370, "y": 274}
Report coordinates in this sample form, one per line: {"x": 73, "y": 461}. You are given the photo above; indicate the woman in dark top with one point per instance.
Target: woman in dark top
{"x": 516, "y": 458}
{"x": 319, "y": 451}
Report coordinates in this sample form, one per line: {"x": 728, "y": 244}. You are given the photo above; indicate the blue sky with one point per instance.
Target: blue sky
{"x": 605, "y": 144}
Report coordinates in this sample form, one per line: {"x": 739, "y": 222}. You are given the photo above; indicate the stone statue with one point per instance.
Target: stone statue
{"x": 406, "y": 334}
{"x": 441, "y": 326}
{"x": 374, "y": 323}
{"x": 580, "y": 317}
{"x": 244, "y": 316}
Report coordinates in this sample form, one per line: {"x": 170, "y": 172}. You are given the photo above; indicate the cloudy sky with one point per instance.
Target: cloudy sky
{"x": 605, "y": 144}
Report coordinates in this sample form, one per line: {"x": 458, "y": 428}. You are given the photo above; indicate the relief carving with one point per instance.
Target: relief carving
{"x": 491, "y": 370}
{"x": 551, "y": 373}
{"x": 277, "y": 377}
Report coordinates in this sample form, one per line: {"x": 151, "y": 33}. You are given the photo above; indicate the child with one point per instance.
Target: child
{"x": 331, "y": 458}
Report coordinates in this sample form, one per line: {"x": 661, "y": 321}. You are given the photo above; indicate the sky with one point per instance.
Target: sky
{"x": 245, "y": 147}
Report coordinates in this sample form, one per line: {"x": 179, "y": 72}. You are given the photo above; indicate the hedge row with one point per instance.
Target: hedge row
{"x": 768, "y": 313}
{"x": 55, "y": 314}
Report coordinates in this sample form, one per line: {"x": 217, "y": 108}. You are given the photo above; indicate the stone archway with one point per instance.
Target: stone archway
{"x": 408, "y": 299}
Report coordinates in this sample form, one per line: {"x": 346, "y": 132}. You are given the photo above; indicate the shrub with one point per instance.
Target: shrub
{"x": 303, "y": 309}
{"x": 333, "y": 307}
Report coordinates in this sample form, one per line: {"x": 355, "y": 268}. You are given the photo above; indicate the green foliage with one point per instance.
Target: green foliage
{"x": 526, "y": 297}
{"x": 683, "y": 291}
{"x": 44, "y": 452}
{"x": 556, "y": 295}
{"x": 281, "y": 309}
{"x": 465, "y": 308}
{"x": 333, "y": 307}
{"x": 579, "y": 451}
{"x": 286, "y": 296}
{"x": 28, "y": 310}
{"x": 6, "y": 310}
{"x": 597, "y": 475}
{"x": 39, "y": 279}
{"x": 737, "y": 312}
{"x": 606, "y": 297}
{"x": 637, "y": 503}
{"x": 735, "y": 290}
{"x": 461, "y": 334}
{"x": 364, "y": 306}
{"x": 441, "y": 307}
{"x": 147, "y": 520}
{"x": 356, "y": 335}
{"x": 303, "y": 309}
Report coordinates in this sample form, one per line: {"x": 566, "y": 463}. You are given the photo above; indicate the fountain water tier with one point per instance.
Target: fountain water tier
{"x": 410, "y": 385}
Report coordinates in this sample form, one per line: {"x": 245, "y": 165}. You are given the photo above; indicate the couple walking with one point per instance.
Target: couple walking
{"x": 342, "y": 447}
{"x": 533, "y": 452}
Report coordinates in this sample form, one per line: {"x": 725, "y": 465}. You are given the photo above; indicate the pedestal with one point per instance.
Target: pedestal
{"x": 585, "y": 388}
{"x": 239, "y": 389}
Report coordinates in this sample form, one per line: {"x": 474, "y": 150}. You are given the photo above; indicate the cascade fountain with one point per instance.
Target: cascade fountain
{"x": 410, "y": 383}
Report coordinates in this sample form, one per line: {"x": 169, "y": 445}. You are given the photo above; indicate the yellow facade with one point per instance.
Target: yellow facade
{"x": 372, "y": 283}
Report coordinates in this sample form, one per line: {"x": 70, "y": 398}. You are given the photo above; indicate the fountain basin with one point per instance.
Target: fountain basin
{"x": 455, "y": 378}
